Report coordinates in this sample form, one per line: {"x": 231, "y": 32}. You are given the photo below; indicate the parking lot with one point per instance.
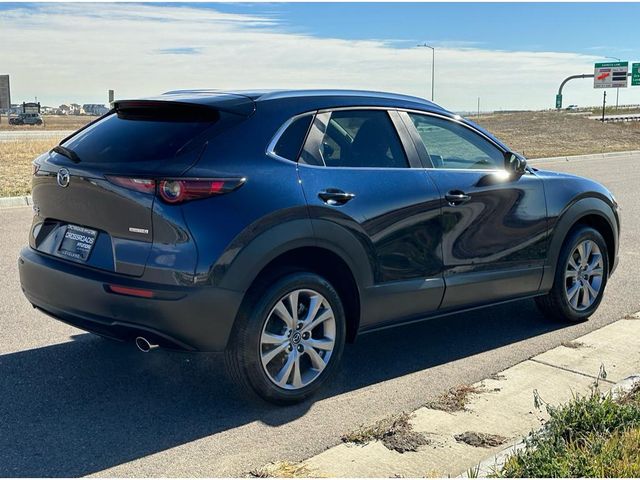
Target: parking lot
{"x": 74, "y": 404}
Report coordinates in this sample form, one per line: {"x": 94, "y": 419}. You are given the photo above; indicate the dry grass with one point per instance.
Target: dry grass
{"x": 395, "y": 433}
{"x": 455, "y": 399}
{"x": 282, "y": 470}
{"x": 51, "y": 122}
{"x": 551, "y": 134}
{"x": 15, "y": 164}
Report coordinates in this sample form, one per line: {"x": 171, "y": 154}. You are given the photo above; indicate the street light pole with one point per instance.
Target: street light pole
{"x": 617, "y": 89}
{"x": 433, "y": 67}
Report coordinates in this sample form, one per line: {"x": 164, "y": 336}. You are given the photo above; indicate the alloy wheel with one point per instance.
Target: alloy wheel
{"x": 583, "y": 275}
{"x": 298, "y": 339}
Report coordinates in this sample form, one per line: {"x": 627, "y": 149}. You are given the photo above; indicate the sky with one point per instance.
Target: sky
{"x": 510, "y": 56}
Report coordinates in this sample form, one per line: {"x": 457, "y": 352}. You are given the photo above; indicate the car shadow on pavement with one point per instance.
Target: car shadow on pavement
{"x": 79, "y": 407}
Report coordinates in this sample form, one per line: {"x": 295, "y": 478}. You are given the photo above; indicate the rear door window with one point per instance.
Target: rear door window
{"x": 355, "y": 138}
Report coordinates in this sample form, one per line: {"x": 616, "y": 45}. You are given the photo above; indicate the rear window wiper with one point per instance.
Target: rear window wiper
{"x": 70, "y": 154}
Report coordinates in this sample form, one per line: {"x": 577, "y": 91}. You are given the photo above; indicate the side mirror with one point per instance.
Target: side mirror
{"x": 515, "y": 163}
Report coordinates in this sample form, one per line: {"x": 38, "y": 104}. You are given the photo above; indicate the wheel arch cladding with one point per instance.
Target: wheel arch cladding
{"x": 328, "y": 265}
{"x": 293, "y": 246}
{"x": 592, "y": 212}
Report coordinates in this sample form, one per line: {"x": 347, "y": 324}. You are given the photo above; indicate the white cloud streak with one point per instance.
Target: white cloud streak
{"x": 75, "y": 52}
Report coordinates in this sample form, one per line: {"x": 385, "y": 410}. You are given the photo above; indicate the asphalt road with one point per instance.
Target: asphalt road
{"x": 13, "y": 135}
{"x": 73, "y": 404}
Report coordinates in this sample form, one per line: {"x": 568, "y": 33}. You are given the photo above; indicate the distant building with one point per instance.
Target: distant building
{"x": 94, "y": 109}
{"x": 76, "y": 109}
{"x": 5, "y": 93}
{"x": 63, "y": 110}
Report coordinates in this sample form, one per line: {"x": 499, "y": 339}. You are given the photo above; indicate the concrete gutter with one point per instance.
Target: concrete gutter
{"x": 494, "y": 463}
{"x": 504, "y": 406}
{"x": 15, "y": 201}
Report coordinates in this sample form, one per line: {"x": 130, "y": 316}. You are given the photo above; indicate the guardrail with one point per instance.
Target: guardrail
{"x": 618, "y": 118}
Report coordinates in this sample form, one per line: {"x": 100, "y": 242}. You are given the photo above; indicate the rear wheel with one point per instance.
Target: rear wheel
{"x": 580, "y": 279}
{"x": 289, "y": 338}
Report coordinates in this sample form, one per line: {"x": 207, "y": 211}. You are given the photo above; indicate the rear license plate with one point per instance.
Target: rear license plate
{"x": 77, "y": 242}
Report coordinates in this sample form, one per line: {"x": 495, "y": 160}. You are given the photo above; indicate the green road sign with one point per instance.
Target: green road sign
{"x": 612, "y": 64}
{"x": 635, "y": 74}
{"x": 558, "y": 101}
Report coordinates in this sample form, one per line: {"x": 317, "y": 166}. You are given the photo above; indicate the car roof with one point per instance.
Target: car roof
{"x": 318, "y": 98}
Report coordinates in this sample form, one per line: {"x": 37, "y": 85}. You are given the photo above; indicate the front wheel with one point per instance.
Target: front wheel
{"x": 289, "y": 338}
{"x": 580, "y": 278}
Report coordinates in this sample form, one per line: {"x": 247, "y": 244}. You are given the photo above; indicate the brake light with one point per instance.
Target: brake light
{"x": 178, "y": 190}
{"x": 145, "y": 185}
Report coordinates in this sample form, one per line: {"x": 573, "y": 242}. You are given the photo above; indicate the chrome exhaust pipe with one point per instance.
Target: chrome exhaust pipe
{"x": 145, "y": 345}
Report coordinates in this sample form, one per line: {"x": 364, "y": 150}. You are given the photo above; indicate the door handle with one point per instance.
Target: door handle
{"x": 456, "y": 197}
{"x": 335, "y": 197}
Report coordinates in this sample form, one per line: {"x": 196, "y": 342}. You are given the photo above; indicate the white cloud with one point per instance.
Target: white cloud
{"x": 75, "y": 52}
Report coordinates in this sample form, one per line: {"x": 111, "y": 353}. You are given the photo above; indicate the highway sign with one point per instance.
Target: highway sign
{"x": 5, "y": 93}
{"x": 635, "y": 74}
{"x": 31, "y": 107}
{"x": 610, "y": 75}
{"x": 558, "y": 101}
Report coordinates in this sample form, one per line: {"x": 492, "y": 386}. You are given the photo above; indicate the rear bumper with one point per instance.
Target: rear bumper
{"x": 186, "y": 318}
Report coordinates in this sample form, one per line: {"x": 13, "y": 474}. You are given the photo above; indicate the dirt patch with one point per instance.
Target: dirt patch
{"x": 478, "y": 439}
{"x": 551, "y": 134}
{"x": 395, "y": 433}
{"x": 574, "y": 345}
{"x": 455, "y": 400}
{"x": 281, "y": 470}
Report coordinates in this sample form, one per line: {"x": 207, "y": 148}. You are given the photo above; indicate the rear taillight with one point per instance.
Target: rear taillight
{"x": 178, "y": 190}
{"x": 145, "y": 185}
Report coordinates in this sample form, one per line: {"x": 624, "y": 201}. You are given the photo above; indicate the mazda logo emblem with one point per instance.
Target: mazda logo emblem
{"x": 63, "y": 177}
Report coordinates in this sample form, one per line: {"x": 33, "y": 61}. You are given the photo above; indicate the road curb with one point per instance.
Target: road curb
{"x": 502, "y": 405}
{"x": 6, "y": 202}
{"x": 592, "y": 156}
{"x": 495, "y": 462}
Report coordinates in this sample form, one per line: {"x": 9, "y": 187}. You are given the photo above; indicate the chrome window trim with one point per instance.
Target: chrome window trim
{"x": 272, "y": 144}
{"x": 270, "y": 152}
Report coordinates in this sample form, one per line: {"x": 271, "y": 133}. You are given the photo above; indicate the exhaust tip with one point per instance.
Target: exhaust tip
{"x": 145, "y": 345}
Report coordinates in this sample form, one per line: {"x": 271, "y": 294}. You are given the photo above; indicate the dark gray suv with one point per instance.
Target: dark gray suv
{"x": 276, "y": 226}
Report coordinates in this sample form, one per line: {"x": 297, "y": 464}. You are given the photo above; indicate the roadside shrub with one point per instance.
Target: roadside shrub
{"x": 591, "y": 436}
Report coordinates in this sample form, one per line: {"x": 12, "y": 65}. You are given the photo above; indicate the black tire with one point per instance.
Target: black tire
{"x": 243, "y": 354}
{"x": 555, "y": 304}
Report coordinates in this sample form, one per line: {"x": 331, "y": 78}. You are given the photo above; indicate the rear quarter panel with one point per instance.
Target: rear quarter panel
{"x": 223, "y": 226}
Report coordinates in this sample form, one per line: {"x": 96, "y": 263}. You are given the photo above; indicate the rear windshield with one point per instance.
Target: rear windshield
{"x": 124, "y": 137}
